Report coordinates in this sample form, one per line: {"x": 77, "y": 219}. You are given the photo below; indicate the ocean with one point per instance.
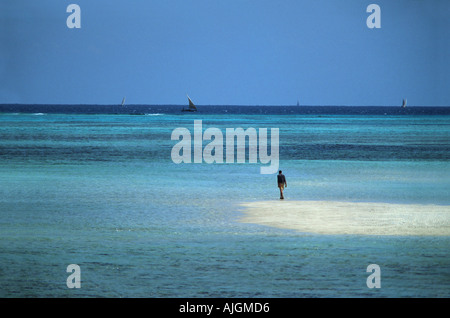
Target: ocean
{"x": 95, "y": 185}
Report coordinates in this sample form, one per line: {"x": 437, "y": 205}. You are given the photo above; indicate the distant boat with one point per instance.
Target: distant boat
{"x": 298, "y": 103}
{"x": 404, "y": 103}
{"x": 134, "y": 111}
{"x": 191, "y": 107}
{"x": 116, "y": 107}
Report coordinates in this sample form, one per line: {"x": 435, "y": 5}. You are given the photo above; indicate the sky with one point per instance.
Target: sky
{"x": 225, "y": 52}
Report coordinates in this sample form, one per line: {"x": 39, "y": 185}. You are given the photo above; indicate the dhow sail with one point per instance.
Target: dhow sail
{"x": 191, "y": 108}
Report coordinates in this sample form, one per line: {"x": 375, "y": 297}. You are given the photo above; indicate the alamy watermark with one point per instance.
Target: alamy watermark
{"x": 74, "y": 279}
{"x": 374, "y": 279}
{"x": 214, "y": 150}
{"x": 373, "y": 20}
{"x": 73, "y": 21}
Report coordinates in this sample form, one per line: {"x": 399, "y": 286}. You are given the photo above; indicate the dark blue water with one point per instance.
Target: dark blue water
{"x": 223, "y": 109}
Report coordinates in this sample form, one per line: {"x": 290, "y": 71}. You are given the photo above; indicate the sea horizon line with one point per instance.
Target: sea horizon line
{"x": 207, "y": 105}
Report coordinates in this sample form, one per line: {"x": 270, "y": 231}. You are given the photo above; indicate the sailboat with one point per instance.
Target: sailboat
{"x": 117, "y": 107}
{"x": 133, "y": 111}
{"x": 298, "y": 103}
{"x": 404, "y": 103}
{"x": 191, "y": 107}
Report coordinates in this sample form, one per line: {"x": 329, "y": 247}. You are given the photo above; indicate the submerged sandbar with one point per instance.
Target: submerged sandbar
{"x": 361, "y": 218}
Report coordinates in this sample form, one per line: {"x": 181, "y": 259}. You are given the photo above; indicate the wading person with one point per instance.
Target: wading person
{"x": 281, "y": 183}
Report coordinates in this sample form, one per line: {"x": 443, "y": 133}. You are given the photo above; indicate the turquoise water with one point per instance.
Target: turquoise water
{"x": 101, "y": 191}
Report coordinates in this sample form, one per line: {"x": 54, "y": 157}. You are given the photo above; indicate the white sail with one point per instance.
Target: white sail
{"x": 404, "y": 103}
{"x": 191, "y": 107}
{"x": 123, "y": 101}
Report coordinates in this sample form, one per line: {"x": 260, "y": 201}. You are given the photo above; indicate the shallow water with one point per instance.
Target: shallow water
{"x": 101, "y": 191}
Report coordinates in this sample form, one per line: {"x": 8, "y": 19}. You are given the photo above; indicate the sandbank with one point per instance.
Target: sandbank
{"x": 360, "y": 218}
